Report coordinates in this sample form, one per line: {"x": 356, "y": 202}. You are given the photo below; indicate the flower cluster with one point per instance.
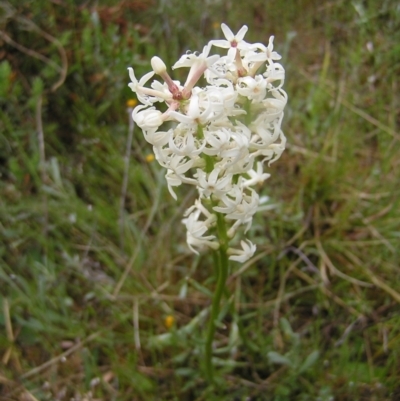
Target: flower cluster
{"x": 217, "y": 137}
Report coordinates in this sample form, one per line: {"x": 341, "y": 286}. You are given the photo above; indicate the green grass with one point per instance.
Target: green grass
{"x": 84, "y": 298}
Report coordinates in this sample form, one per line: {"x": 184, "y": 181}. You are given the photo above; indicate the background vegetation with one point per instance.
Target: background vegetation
{"x": 100, "y": 297}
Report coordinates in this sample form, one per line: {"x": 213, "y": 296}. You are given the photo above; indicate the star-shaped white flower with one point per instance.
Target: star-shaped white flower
{"x": 183, "y": 143}
{"x": 244, "y": 254}
{"x": 256, "y": 176}
{"x": 135, "y": 84}
{"x": 271, "y": 54}
{"x": 232, "y": 41}
{"x": 196, "y": 230}
{"x": 244, "y": 212}
{"x": 212, "y": 183}
{"x": 230, "y": 201}
{"x": 179, "y": 165}
{"x": 217, "y": 140}
{"x": 145, "y": 95}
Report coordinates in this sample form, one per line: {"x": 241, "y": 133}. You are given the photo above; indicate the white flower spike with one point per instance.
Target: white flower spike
{"x": 219, "y": 136}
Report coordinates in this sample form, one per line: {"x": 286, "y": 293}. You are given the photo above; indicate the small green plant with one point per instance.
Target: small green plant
{"x": 294, "y": 359}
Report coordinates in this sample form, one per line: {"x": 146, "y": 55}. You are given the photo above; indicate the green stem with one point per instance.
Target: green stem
{"x": 208, "y": 159}
{"x": 247, "y": 107}
{"x": 221, "y": 267}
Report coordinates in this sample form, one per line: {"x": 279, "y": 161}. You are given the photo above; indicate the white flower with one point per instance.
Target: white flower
{"x": 244, "y": 212}
{"x": 172, "y": 181}
{"x": 183, "y": 143}
{"x": 196, "y": 60}
{"x": 135, "y": 84}
{"x": 232, "y": 41}
{"x": 253, "y": 88}
{"x": 223, "y": 99}
{"x": 177, "y": 168}
{"x": 157, "y": 138}
{"x": 274, "y": 151}
{"x": 256, "y": 176}
{"x": 241, "y": 166}
{"x": 198, "y": 64}
{"x": 253, "y": 60}
{"x": 229, "y": 201}
{"x": 149, "y": 119}
{"x": 237, "y": 149}
{"x": 213, "y": 184}
{"x": 275, "y": 72}
{"x": 145, "y": 95}
{"x": 224, "y": 69}
{"x": 217, "y": 139}
{"x": 269, "y": 50}
{"x": 196, "y": 230}
{"x": 275, "y": 105}
{"x": 244, "y": 254}
{"x": 269, "y": 131}
{"x": 194, "y": 114}
{"x": 180, "y": 165}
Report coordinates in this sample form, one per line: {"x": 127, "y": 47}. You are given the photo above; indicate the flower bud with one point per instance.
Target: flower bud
{"x": 149, "y": 119}
{"x": 158, "y": 65}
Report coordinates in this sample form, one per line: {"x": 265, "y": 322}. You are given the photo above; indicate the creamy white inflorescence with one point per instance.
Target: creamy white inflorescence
{"x": 217, "y": 137}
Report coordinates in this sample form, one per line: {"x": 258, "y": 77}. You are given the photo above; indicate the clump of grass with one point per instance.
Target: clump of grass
{"x": 84, "y": 298}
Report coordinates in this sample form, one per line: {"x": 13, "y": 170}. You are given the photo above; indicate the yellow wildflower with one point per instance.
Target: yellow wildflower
{"x": 149, "y": 158}
{"x": 131, "y": 103}
{"x": 169, "y": 321}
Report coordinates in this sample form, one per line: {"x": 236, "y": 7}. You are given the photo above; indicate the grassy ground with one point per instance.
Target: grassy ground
{"x": 100, "y": 297}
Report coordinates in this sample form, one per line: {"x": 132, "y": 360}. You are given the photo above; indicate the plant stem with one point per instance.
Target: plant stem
{"x": 221, "y": 272}
{"x": 248, "y": 117}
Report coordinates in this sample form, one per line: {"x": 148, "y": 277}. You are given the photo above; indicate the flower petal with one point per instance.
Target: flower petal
{"x": 227, "y": 32}
{"x": 240, "y": 35}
